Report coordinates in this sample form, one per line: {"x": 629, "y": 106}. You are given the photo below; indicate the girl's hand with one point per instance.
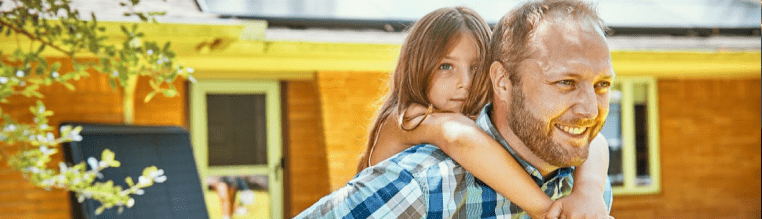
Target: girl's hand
{"x": 539, "y": 215}
{"x": 413, "y": 116}
{"x": 580, "y": 204}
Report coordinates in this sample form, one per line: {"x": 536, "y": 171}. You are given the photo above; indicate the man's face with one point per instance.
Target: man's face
{"x": 562, "y": 99}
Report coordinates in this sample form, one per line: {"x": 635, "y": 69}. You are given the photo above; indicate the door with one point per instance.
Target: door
{"x": 236, "y": 136}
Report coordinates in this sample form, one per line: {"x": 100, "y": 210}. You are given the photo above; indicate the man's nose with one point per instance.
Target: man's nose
{"x": 586, "y": 105}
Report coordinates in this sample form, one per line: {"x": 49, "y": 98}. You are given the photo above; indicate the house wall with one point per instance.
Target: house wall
{"x": 93, "y": 101}
{"x": 349, "y": 100}
{"x": 710, "y": 152}
{"x": 305, "y": 147}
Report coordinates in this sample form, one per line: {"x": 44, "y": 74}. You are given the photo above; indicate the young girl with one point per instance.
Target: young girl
{"x": 426, "y": 103}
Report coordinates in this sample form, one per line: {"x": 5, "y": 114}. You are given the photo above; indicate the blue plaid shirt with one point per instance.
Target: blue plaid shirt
{"x": 423, "y": 182}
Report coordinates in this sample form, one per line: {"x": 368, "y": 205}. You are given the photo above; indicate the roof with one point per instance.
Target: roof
{"x": 642, "y": 24}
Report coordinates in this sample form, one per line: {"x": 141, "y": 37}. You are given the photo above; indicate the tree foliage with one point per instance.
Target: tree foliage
{"x": 55, "y": 25}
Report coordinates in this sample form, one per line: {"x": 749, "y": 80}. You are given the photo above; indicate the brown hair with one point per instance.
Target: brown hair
{"x": 429, "y": 40}
{"x": 514, "y": 33}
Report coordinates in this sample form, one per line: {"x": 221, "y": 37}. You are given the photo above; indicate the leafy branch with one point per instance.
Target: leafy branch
{"x": 54, "y": 24}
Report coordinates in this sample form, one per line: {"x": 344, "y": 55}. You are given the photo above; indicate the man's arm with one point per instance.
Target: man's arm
{"x": 383, "y": 191}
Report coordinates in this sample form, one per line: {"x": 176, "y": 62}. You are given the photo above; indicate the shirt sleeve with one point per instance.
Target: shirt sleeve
{"x": 382, "y": 191}
{"x": 608, "y": 197}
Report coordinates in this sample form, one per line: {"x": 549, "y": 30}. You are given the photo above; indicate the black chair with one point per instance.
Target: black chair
{"x": 137, "y": 147}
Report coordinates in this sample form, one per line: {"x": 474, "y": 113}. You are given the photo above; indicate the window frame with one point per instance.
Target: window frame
{"x": 628, "y": 147}
{"x": 199, "y": 135}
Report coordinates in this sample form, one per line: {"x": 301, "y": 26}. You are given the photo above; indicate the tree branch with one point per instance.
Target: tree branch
{"x": 24, "y": 32}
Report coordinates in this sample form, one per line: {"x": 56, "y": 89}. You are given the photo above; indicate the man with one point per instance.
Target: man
{"x": 550, "y": 71}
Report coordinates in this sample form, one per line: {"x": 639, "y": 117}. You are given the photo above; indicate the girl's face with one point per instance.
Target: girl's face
{"x": 452, "y": 77}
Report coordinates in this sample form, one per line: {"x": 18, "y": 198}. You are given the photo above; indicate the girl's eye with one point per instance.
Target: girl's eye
{"x": 445, "y": 66}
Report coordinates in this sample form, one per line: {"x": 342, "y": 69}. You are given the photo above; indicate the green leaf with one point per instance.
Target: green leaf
{"x": 42, "y": 47}
{"x": 69, "y": 86}
{"x": 129, "y": 181}
{"x": 149, "y": 96}
{"x": 142, "y": 17}
{"x": 153, "y": 84}
{"x": 169, "y": 93}
{"x": 55, "y": 66}
{"x": 99, "y": 210}
{"x": 107, "y": 156}
{"x": 148, "y": 170}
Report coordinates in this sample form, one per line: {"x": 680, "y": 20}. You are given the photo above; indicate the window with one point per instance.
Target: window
{"x": 237, "y": 129}
{"x": 632, "y": 131}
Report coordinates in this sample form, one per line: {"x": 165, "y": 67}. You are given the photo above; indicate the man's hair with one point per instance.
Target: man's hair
{"x": 513, "y": 36}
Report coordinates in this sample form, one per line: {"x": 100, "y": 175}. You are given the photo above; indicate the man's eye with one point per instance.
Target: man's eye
{"x": 445, "y": 67}
{"x": 604, "y": 84}
{"x": 566, "y": 82}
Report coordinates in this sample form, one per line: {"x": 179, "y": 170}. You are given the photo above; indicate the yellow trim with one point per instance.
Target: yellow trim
{"x": 231, "y": 75}
{"x": 653, "y": 137}
{"x": 238, "y": 169}
{"x": 617, "y": 191}
{"x": 687, "y": 64}
{"x": 241, "y": 49}
{"x": 629, "y": 159}
{"x": 628, "y": 136}
{"x": 271, "y": 89}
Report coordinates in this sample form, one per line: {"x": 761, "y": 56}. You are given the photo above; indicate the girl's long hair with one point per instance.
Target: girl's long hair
{"x": 429, "y": 40}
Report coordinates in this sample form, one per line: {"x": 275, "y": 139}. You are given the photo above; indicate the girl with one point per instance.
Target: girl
{"x": 429, "y": 102}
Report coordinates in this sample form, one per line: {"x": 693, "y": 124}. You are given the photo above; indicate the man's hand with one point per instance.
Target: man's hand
{"x": 579, "y": 205}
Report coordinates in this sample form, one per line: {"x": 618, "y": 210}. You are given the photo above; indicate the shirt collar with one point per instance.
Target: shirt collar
{"x": 485, "y": 123}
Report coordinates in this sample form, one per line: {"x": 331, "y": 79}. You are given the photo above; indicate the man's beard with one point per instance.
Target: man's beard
{"x": 530, "y": 130}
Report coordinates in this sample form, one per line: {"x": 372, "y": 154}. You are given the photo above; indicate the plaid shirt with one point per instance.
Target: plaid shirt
{"x": 423, "y": 182}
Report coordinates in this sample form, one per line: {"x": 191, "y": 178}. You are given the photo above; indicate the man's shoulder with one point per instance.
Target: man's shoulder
{"x": 420, "y": 158}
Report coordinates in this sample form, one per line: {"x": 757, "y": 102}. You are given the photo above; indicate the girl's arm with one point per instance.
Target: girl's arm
{"x": 586, "y": 199}
{"x": 460, "y": 138}
{"x": 592, "y": 174}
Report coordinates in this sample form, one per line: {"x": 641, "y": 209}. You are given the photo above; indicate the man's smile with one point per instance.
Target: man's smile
{"x": 574, "y": 131}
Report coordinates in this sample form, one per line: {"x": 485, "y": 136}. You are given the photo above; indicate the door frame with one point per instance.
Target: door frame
{"x": 199, "y": 133}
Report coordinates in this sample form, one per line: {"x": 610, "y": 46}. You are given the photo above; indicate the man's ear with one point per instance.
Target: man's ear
{"x": 501, "y": 84}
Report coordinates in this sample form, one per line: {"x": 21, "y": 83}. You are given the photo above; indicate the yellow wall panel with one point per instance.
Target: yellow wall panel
{"x": 348, "y": 100}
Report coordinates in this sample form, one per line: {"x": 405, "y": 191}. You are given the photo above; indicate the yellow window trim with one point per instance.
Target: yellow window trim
{"x": 629, "y": 162}
{"x": 271, "y": 90}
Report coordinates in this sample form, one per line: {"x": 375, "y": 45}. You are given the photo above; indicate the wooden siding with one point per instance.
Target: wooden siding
{"x": 710, "y": 152}
{"x": 348, "y": 101}
{"x": 305, "y": 149}
{"x": 93, "y": 101}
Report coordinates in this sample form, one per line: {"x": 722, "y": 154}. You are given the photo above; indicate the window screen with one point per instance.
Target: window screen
{"x": 237, "y": 132}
